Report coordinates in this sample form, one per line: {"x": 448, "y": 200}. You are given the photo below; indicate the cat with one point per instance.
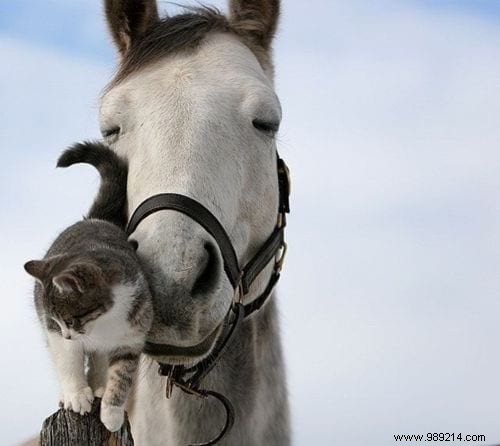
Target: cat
{"x": 92, "y": 296}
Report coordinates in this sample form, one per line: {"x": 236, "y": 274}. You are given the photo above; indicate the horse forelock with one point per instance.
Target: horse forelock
{"x": 183, "y": 33}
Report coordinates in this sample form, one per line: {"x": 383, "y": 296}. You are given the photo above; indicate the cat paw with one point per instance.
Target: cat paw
{"x": 112, "y": 417}
{"x": 79, "y": 401}
{"x": 99, "y": 392}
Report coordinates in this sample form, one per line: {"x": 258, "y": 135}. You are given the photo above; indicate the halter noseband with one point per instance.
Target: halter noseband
{"x": 189, "y": 378}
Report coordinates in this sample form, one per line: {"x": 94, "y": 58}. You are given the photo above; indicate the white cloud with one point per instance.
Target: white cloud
{"x": 390, "y": 296}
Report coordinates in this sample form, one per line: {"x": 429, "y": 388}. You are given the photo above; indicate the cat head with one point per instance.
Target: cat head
{"x": 74, "y": 292}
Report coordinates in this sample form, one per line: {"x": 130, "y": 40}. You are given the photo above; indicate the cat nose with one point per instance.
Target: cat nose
{"x": 67, "y": 336}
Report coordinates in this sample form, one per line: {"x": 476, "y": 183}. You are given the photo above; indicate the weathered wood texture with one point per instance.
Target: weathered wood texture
{"x": 67, "y": 428}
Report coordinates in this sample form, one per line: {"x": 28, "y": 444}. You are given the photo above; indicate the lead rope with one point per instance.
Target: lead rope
{"x": 229, "y": 417}
{"x": 190, "y": 386}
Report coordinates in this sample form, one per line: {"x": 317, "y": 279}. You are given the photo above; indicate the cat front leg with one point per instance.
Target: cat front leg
{"x": 121, "y": 372}
{"x": 98, "y": 368}
{"x": 69, "y": 359}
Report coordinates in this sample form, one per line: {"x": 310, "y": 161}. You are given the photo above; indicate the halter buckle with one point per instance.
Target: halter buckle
{"x": 285, "y": 170}
{"x": 278, "y": 266}
{"x": 169, "y": 386}
{"x": 239, "y": 293}
{"x": 281, "y": 223}
{"x": 285, "y": 185}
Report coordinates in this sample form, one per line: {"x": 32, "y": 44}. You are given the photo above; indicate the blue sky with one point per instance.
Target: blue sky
{"x": 67, "y": 26}
{"x": 391, "y": 112}
{"x": 485, "y": 8}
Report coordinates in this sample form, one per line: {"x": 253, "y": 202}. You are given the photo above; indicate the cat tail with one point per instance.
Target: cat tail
{"x": 111, "y": 201}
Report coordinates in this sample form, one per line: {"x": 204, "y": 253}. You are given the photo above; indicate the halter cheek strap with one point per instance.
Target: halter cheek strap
{"x": 240, "y": 278}
{"x": 189, "y": 379}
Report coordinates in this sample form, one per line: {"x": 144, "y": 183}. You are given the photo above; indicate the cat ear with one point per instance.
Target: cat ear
{"x": 36, "y": 268}
{"x": 79, "y": 277}
{"x": 67, "y": 283}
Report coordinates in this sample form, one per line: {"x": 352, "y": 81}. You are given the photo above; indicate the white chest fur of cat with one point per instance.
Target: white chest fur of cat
{"x": 112, "y": 329}
{"x": 92, "y": 297}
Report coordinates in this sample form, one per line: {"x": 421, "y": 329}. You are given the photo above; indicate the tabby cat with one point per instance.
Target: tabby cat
{"x": 92, "y": 296}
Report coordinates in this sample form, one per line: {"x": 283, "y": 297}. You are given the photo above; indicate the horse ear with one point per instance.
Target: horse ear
{"x": 128, "y": 19}
{"x": 255, "y": 19}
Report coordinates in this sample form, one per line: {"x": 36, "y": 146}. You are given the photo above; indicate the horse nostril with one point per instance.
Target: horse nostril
{"x": 208, "y": 278}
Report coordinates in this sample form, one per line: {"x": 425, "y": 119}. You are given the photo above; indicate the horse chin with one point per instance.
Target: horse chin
{"x": 187, "y": 355}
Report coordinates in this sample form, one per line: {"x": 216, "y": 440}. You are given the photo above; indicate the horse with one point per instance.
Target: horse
{"x": 193, "y": 110}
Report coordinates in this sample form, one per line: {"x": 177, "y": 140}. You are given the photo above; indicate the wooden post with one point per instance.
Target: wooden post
{"x": 67, "y": 428}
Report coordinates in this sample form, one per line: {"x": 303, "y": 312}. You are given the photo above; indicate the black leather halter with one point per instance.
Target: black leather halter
{"x": 241, "y": 278}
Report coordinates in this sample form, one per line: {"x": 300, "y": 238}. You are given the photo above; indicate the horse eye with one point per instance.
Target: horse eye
{"x": 266, "y": 126}
{"x": 110, "y": 132}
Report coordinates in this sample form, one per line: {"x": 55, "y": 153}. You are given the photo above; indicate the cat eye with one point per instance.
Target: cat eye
{"x": 268, "y": 127}
{"x": 86, "y": 314}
